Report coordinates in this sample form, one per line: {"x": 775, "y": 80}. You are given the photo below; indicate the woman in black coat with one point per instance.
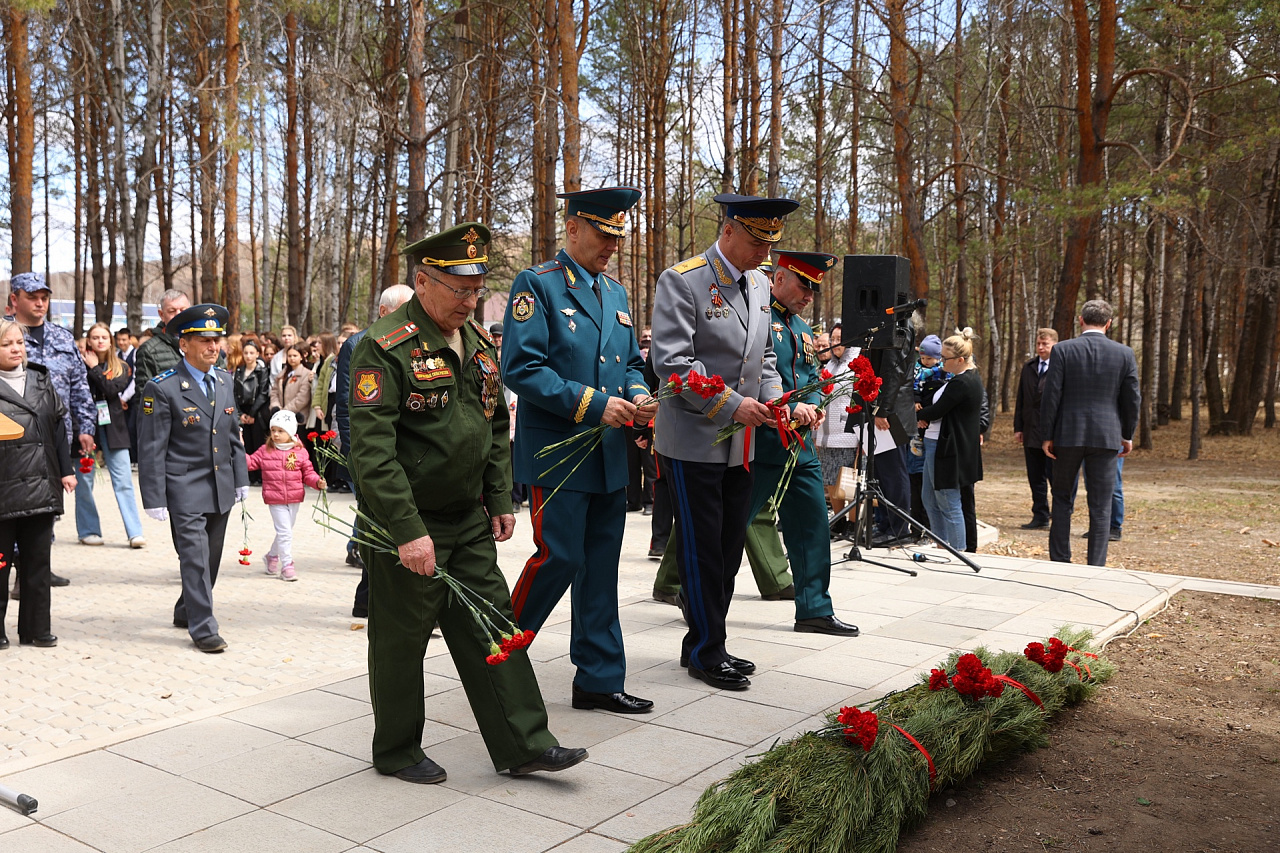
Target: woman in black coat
{"x": 37, "y": 471}
{"x": 952, "y": 454}
{"x": 252, "y": 382}
{"x": 109, "y": 376}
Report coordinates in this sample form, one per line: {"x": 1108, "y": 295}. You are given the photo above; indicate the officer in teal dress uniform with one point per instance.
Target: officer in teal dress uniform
{"x": 571, "y": 357}
{"x": 802, "y": 508}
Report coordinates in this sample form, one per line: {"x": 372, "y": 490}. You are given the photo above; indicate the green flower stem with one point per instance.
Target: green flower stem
{"x": 598, "y": 440}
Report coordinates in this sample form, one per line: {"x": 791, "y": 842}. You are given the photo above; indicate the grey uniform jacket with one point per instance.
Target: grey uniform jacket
{"x": 690, "y": 332}
{"x": 190, "y": 457}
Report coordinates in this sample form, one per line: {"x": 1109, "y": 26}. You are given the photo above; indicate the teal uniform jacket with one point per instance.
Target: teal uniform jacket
{"x": 564, "y": 354}
{"x": 803, "y": 508}
{"x": 794, "y": 349}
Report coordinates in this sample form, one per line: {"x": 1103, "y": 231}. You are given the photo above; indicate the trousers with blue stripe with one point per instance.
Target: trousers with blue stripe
{"x": 712, "y": 504}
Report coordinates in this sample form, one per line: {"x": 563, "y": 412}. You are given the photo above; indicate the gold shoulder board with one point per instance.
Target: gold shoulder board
{"x": 691, "y": 264}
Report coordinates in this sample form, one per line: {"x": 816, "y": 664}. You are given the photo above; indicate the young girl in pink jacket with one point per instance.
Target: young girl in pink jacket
{"x": 286, "y": 472}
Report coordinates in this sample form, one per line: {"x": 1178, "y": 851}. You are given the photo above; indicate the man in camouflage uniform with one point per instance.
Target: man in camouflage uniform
{"x": 432, "y": 459}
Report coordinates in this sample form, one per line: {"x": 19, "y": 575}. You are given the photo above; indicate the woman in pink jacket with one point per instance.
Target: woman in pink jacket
{"x": 286, "y": 472}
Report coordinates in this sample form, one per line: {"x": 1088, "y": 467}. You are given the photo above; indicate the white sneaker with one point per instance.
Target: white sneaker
{"x": 138, "y": 542}
{"x": 91, "y": 539}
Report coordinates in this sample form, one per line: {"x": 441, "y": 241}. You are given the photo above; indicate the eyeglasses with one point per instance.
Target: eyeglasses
{"x": 462, "y": 293}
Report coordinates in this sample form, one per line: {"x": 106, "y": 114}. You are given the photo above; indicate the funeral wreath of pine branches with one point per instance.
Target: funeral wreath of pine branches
{"x": 855, "y": 784}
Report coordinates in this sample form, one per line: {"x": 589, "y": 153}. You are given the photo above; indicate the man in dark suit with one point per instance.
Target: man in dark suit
{"x": 191, "y": 463}
{"x": 1087, "y": 416}
{"x": 1026, "y": 428}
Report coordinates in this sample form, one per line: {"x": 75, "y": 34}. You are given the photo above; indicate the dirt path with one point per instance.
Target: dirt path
{"x": 1218, "y": 517}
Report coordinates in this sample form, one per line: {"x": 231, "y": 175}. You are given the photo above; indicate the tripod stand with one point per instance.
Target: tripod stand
{"x": 868, "y": 494}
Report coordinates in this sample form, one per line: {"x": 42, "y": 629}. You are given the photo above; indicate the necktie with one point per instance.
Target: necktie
{"x": 742, "y": 288}
{"x": 1043, "y": 368}
{"x": 208, "y": 387}
{"x": 595, "y": 288}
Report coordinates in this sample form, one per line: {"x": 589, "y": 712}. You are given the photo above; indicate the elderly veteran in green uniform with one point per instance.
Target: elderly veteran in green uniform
{"x": 191, "y": 463}
{"x": 802, "y": 508}
{"x": 431, "y": 457}
{"x": 572, "y": 357}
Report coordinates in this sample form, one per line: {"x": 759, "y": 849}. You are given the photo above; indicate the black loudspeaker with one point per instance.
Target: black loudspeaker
{"x": 873, "y": 283}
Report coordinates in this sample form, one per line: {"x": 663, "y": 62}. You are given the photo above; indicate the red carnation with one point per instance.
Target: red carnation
{"x": 938, "y": 679}
{"x": 674, "y": 382}
{"x": 312, "y": 436}
{"x": 860, "y": 727}
{"x": 494, "y": 660}
{"x": 244, "y": 552}
{"x": 853, "y": 410}
{"x": 330, "y": 435}
{"x": 828, "y": 388}
{"x": 825, "y": 374}
{"x": 974, "y": 680}
{"x": 518, "y": 640}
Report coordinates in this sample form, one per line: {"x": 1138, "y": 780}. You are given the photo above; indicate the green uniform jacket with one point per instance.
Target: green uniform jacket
{"x": 428, "y": 435}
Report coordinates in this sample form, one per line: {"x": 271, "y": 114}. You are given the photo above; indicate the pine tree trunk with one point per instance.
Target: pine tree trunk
{"x": 21, "y": 142}
{"x": 231, "y": 175}
{"x": 415, "y": 220}
{"x": 900, "y": 106}
{"x": 295, "y": 283}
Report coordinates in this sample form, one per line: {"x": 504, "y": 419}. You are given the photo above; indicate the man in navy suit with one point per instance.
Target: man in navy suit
{"x": 1088, "y": 413}
{"x": 570, "y": 355}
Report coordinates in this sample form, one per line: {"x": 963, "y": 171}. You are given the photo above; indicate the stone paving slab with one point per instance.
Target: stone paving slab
{"x": 131, "y": 740}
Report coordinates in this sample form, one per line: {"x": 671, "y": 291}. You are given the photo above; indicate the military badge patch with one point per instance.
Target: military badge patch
{"x": 229, "y": 410}
{"x": 624, "y": 318}
{"x": 148, "y": 405}
{"x": 416, "y": 402}
{"x": 522, "y": 306}
{"x": 366, "y": 387}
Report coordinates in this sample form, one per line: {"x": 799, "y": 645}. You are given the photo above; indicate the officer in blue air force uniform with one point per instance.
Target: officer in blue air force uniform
{"x": 802, "y": 508}
{"x": 571, "y": 356}
{"x": 191, "y": 463}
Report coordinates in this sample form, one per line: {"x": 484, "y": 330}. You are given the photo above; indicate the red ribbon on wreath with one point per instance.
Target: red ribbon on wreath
{"x": 1080, "y": 674}
{"x": 1086, "y": 654}
{"x": 933, "y": 773}
{"x": 1024, "y": 688}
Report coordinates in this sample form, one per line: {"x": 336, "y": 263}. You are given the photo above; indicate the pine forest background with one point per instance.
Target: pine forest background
{"x": 275, "y": 155}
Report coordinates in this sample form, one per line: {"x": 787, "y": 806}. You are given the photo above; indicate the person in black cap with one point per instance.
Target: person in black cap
{"x": 191, "y": 463}
{"x": 431, "y": 457}
{"x": 572, "y": 357}
{"x": 711, "y": 315}
{"x": 802, "y": 508}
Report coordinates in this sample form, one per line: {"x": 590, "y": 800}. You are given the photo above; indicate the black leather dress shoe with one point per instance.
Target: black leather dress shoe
{"x": 4, "y": 643}
{"x": 619, "y": 703}
{"x": 179, "y": 623}
{"x": 742, "y": 665}
{"x": 556, "y": 758}
{"x": 1036, "y": 524}
{"x": 1114, "y": 535}
{"x": 48, "y": 641}
{"x": 359, "y": 611}
{"x": 353, "y": 558}
{"x": 58, "y": 580}
{"x": 211, "y": 643}
{"x": 787, "y": 593}
{"x": 826, "y": 625}
{"x": 425, "y": 772}
{"x": 722, "y": 675}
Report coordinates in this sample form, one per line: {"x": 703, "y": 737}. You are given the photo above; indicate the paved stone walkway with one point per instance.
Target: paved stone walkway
{"x": 131, "y": 740}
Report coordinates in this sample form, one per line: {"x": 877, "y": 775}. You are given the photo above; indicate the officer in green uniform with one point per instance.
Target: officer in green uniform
{"x": 431, "y": 456}
{"x": 803, "y": 506}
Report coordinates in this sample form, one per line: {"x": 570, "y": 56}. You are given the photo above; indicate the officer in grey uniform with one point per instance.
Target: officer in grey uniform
{"x": 711, "y": 314}
{"x": 191, "y": 463}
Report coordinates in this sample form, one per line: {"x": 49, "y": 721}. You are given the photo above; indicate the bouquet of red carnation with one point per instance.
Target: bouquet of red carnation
{"x": 580, "y": 445}
{"x": 1053, "y": 659}
{"x": 974, "y": 680}
{"x": 860, "y": 727}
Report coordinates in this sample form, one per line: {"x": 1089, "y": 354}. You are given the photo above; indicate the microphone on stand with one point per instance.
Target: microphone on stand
{"x": 908, "y": 307}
